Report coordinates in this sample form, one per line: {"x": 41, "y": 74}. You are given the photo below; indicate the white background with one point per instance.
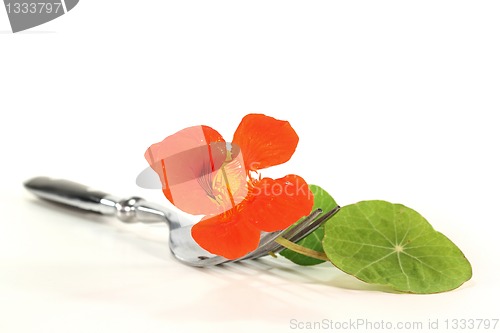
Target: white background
{"x": 392, "y": 100}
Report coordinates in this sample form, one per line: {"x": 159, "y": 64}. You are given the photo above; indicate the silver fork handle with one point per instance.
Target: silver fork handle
{"x": 133, "y": 209}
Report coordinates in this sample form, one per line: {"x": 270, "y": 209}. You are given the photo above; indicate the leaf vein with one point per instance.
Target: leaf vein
{"x": 424, "y": 263}
{"x": 403, "y": 271}
{"x": 366, "y": 244}
{"x": 374, "y": 262}
{"x": 374, "y": 228}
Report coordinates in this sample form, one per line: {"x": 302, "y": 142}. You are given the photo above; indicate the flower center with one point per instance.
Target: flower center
{"x": 229, "y": 185}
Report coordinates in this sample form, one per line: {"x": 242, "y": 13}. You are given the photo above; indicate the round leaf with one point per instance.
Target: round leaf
{"x": 390, "y": 244}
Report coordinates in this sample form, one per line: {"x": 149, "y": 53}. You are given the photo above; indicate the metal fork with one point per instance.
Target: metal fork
{"x": 181, "y": 244}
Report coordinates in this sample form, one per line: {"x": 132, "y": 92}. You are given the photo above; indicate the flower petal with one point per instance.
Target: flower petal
{"x": 276, "y": 204}
{"x": 265, "y": 141}
{"x": 186, "y": 163}
{"x": 228, "y": 235}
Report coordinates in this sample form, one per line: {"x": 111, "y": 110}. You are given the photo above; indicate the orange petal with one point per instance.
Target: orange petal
{"x": 227, "y": 235}
{"x": 186, "y": 163}
{"x": 265, "y": 141}
{"x": 276, "y": 204}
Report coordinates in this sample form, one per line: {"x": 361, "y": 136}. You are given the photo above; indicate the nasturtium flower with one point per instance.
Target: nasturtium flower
{"x": 202, "y": 174}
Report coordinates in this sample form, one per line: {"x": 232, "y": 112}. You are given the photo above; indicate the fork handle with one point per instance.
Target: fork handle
{"x": 76, "y": 195}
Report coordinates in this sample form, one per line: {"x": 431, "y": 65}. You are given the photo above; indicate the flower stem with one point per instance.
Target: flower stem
{"x": 301, "y": 249}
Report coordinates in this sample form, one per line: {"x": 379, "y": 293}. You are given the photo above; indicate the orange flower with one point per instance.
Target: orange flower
{"x": 201, "y": 174}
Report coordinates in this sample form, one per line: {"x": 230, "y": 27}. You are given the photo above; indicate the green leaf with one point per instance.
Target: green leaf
{"x": 390, "y": 244}
{"x": 313, "y": 241}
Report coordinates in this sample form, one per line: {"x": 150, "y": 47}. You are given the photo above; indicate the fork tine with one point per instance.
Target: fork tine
{"x": 312, "y": 226}
{"x": 267, "y": 242}
{"x": 294, "y": 235}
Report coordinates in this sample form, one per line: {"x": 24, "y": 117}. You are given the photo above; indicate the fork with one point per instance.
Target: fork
{"x": 182, "y": 245}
